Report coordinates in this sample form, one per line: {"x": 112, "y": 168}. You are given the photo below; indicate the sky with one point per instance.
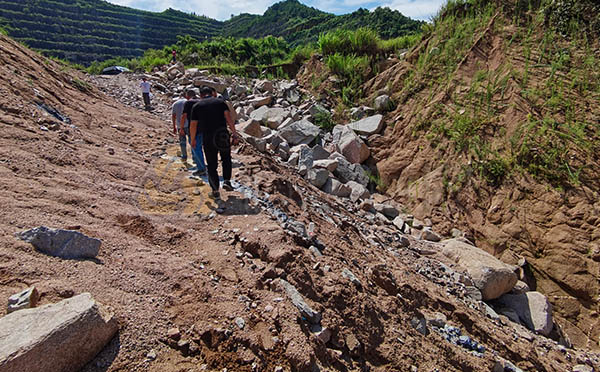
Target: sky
{"x": 224, "y": 9}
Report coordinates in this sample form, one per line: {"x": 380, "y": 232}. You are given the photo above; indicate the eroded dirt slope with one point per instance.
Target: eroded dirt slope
{"x": 490, "y": 148}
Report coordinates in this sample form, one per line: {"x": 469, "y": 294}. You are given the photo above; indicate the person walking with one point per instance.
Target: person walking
{"x": 196, "y": 146}
{"x": 179, "y": 127}
{"x": 174, "y": 54}
{"x": 211, "y": 117}
{"x": 145, "y": 85}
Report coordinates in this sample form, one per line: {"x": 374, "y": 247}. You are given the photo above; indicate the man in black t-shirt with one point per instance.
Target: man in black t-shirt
{"x": 210, "y": 117}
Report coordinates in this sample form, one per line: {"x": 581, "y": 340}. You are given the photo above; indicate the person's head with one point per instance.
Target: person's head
{"x": 190, "y": 94}
{"x": 206, "y": 92}
{"x": 144, "y": 79}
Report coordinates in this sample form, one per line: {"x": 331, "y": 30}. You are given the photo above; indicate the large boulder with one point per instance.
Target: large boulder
{"x": 350, "y": 144}
{"x": 61, "y": 337}
{"x": 335, "y": 187}
{"x": 300, "y": 132}
{"x": 260, "y": 101}
{"x": 368, "y": 126}
{"x": 250, "y": 127}
{"x": 265, "y": 86}
{"x": 490, "y": 275}
{"x": 358, "y": 191}
{"x": 216, "y": 85}
{"x": 317, "y": 176}
{"x": 347, "y": 171}
{"x": 533, "y": 310}
{"x": 271, "y": 117}
{"x": 61, "y": 243}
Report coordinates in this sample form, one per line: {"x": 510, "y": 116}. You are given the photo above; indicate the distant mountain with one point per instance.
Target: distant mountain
{"x": 86, "y": 30}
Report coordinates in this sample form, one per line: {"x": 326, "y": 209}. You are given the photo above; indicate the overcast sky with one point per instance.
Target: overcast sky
{"x": 223, "y": 9}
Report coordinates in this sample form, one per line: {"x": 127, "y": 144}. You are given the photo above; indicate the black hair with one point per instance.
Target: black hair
{"x": 206, "y": 91}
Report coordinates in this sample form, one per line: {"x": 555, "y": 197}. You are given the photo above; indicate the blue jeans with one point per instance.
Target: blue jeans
{"x": 197, "y": 153}
{"x": 183, "y": 145}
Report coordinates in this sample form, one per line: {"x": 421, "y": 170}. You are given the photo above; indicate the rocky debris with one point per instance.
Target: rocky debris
{"x": 305, "y": 310}
{"x": 23, "y": 300}
{"x": 57, "y": 337}
{"x": 368, "y": 126}
{"x": 270, "y": 117}
{"x": 532, "y": 309}
{"x": 454, "y": 335}
{"x": 490, "y": 275}
{"x": 387, "y": 210}
{"x": 384, "y": 103}
{"x": 329, "y": 164}
{"x": 265, "y": 86}
{"x": 61, "y": 243}
{"x": 346, "y": 273}
{"x": 240, "y": 322}
{"x": 257, "y": 102}
{"x": 351, "y": 146}
{"x": 582, "y": 368}
{"x": 347, "y": 171}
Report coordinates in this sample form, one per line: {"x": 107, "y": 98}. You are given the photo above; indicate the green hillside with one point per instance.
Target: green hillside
{"x": 82, "y": 31}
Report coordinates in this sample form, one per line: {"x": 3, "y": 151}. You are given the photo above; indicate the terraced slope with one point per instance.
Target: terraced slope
{"x": 83, "y": 31}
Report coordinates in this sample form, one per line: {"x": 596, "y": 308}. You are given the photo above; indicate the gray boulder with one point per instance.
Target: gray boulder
{"x": 329, "y": 164}
{"x": 368, "y": 126}
{"x": 335, "y": 187}
{"x": 305, "y": 159}
{"x": 317, "y": 176}
{"x": 358, "y": 191}
{"x": 271, "y": 117}
{"x": 490, "y": 275}
{"x": 300, "y": 132}
{"x": 61, "y": 243}
{"x": 533, "y": 309}
{"x": 347, "y": 171}
{"x": 61, "y": 337}
{"x": 351, "y": 146}
{"x": 387, "y": 210}
{"x": 250, "y": 127}
{"x": 265, "y": 86}
{"x": 216, "y": 85}
{"x": 430, "y": 235}
{"x": 260, "y": 101}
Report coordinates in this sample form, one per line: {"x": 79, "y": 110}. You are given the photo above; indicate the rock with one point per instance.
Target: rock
{"x": 490, "y": 312}
{"x": 387, "y": 210}
{"x": 260, "y": 101}
{"x": 67, "y": 244}
{"x": 358, "y": 191}
{"x": 420, "y": 325}
{"x": 335, "y": 187}
{"x": 582, "y": 368}
{"x": 300, "y": 132}
{"x": 384, "y": 103}
{"x": 265, "y": 86}
{"x": 505, "y": 366}
{"x": 437, "y": 320}
{"x": 520, "y": 288}
{"x": 367, "y": 205}
{"x": 293, "y": 159}
{"x": 351, "y": 146}
{"x": 174, "y": 334}
{"x": 151, "y": 355}
{"x": 316, "y": 109}
{"x": 292, "y": 96}
{"x": 258, "y": 143}
{"x": 250, "y": 127}
{"x": 216, "y": 85}
{"x": 430, "y": 235}
{"x": 347, "y": 171}
{"x": 322, "y": 334}
{"x": 346, "y": 273}
{"x": 399, "y": 223}
{"x": 456, "y": 233}
{"x": 240, "y": 322}
{"x": 319, "y": 153}
{"x": 305, "y": 161}
{"x": 329, "y": 164}
{"x": 61, "y": 337}
{"x": 317, "y": 176}
{"x": 315, "y": 251}
{"x": 533, "y": 309}
{"x": 492, "y": 276}
{"x": 271, "y": 117}
{"x": 305, "y": 310}
{"x": 368, "y": 126}
{"x": 23, "y": 300}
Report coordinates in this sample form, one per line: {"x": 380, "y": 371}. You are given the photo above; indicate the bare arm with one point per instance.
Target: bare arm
{"x": 230, "y": 122}
{"x": 174, "y": 119}
{"x": 193, "y": 127}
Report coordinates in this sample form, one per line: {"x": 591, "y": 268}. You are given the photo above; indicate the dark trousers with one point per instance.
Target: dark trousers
{"x": 217, "y": 143}
{"x": 146, "y": 99}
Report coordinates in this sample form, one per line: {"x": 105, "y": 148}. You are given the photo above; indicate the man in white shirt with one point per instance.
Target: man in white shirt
{"x": 145, "y": 85}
